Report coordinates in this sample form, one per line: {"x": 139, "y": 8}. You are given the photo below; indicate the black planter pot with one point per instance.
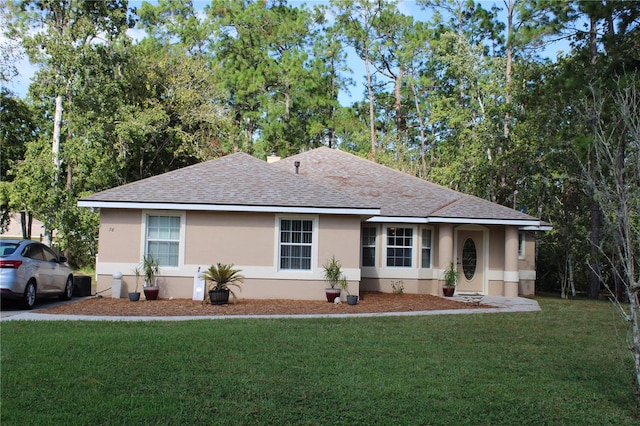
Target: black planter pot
{"x": 352, "y": 299}
{"x": 448, "y": 291}
{"x": 219, "y": 297}
{"x": 134, "y": 296}
{"x": 332, "y": 293}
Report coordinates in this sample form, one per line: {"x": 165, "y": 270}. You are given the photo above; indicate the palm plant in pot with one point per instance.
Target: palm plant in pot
{"x": 450, "y": 280}
{"x": 134, "y": 296}
{"x": 332, "y": 275}
{"x": 352, "y": 299}
{"x": 150, "y": 268}
{"x": 220, "y": 277}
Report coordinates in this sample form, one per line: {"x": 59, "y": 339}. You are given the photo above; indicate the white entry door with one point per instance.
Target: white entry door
{"x": 470, "y": 261}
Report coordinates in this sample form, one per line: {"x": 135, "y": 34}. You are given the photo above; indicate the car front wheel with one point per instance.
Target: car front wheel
{"x": 29, "y": 299}
{"x": 68, "y": 290}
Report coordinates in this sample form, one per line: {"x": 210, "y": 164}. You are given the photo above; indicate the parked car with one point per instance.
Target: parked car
{"x": 30, "y": 270}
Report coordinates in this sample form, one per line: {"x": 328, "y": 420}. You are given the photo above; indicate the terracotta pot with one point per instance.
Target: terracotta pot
{"x": 151, "y": 293}
{"x": 219, "y": 297}
{"x": 448, "y": 291}
{"x": 332, "y": 293}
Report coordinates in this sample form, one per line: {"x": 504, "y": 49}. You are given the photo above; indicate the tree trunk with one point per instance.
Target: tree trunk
{"x": 26, "y": 222}
{"x": 372, "y": 115}
{"x": 593, "y": 291}
{"x": 423, "y": 147}
{"x": 57, "y": 128}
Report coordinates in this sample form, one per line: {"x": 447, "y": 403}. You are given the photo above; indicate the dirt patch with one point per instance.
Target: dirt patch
{"x": 371, "y": 302}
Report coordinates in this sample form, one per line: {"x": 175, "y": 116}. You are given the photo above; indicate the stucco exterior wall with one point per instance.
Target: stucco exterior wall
{"x": 340, "y": 237}
{"x": 496, "y": 248}
{"x": 119, "y": 235}
{"x": 247, "y": 240}
{"x": 229, "y": 237}
{"x": 250, "y": 242}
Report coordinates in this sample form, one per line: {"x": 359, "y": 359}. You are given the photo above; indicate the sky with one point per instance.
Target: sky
{"x": 20, "y": 84}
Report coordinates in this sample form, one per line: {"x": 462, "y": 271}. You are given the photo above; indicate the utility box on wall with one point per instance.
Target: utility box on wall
{"x": 81, "y": 286}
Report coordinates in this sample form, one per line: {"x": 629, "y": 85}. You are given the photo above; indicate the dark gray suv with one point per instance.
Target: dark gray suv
{"x": 30, "y": 269}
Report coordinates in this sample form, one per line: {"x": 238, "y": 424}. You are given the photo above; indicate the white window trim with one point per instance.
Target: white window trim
{"x": 314, "y": 243}
{"x": 376, "y": 245}
{"x": 427, "y": 228}
{"x": 414, "y": 246}
{"x": 183, "y": 226}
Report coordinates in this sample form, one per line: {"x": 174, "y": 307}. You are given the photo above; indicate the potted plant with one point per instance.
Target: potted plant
{"x": 352, "y": 299}
{"x": 450, "y": 280}
{"x": 220, "y": 277}
{"x": 332, "y": 275}
{"x": 134, "y": 296}
{"x": 150, "y": 268}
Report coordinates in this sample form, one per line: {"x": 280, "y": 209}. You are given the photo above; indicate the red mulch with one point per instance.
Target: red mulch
{"x": 371, "y": 302}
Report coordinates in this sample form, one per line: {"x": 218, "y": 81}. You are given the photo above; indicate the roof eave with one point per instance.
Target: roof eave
{"x": 228, "y": 208}
{"x": 532, "y": 223}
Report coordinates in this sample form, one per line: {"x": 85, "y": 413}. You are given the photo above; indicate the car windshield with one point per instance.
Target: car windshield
{"x": 7, "y": 248}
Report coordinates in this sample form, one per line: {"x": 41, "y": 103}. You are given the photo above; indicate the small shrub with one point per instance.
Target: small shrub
{"x": 397, "y": 287}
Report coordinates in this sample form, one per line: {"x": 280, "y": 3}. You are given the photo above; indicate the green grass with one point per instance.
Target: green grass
{"x": 565, "y": 365}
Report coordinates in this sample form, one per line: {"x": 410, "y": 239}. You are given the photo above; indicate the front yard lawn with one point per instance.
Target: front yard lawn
{"x": 567, "y": 364}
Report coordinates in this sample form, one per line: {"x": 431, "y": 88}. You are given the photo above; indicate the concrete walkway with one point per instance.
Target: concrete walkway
{"x": 499, "y": 304}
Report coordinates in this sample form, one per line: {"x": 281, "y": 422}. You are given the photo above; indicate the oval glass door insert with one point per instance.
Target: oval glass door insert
{"x": 469, "y": 259}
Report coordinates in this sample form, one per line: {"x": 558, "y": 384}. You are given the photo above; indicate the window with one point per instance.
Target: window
{"x": 368, "y": 246}
{"x": 296, "y": 240}
{"x": 426, "y": 248}
{"x": 163, "y": 239}
{"x": 521, "y": 241}
{"x": 399, "y": 247}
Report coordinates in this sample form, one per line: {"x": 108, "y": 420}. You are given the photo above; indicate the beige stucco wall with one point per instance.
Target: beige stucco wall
{"x": 249, "y": 241}
{"x": 339, "y": 237}
{"x": 230, "y": 237}
{"x": 119, "y": 235}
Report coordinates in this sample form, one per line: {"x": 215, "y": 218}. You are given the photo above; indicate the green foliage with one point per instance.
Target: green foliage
{"x": 150, "y": 268}
{"x": 450, "y": 276}
{"x": 222, "y": 276}
{"x": 333, "y": 271}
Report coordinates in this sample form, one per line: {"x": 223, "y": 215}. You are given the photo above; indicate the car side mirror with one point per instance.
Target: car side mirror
{"x": 62, "y": 259}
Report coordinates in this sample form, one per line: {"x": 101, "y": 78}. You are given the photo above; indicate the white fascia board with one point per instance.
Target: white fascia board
{"x": 227, "y": 208}
{"x": 397, "y": 219}
{"x": 461, "y": 220}
{"x": 455, "y": 220}
{"x": 544, "y": 228}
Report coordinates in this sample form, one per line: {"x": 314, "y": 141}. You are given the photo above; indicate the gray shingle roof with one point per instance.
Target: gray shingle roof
{"x": 238, "y": 179}
{"x": 398, "y": 194}
{"x": 328, "y": 179}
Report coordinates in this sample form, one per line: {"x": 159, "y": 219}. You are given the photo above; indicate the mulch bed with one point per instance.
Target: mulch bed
{"x": 370, "y": 303}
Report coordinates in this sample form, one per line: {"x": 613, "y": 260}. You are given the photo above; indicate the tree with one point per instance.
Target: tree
{"x": 17, "y": 127}
{"x": 79, "y": 47}
{"x": 614, "y": 179}
{"x": 360, "y": 23}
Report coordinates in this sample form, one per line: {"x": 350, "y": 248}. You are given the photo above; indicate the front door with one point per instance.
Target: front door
{"x": 470, "y": 261}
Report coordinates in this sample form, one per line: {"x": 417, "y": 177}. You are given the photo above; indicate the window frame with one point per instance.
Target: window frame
{"x": 387, "y": 246}
{"x": 522, "y": 239}
{"x": 372, "y": 246}
{"x": 422, "y": 247}
{"x": 312, "y": 245}
{"x": 181, "y": 215}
